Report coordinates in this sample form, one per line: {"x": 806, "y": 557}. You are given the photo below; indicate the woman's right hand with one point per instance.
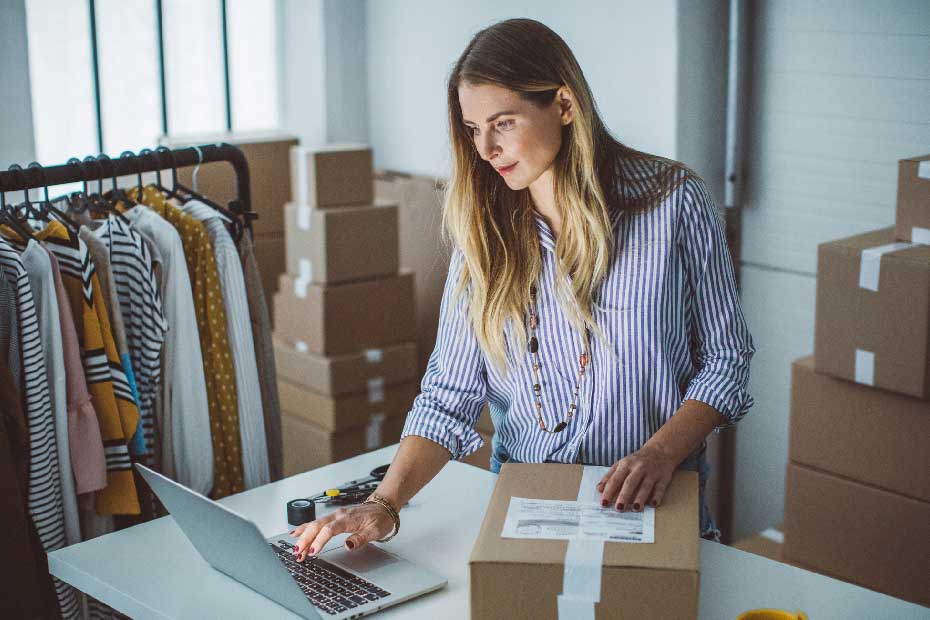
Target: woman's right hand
{"x": 366, "y": 522}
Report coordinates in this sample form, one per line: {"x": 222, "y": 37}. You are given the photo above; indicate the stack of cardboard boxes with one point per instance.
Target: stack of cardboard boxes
{"x": 345, "y": 320}
{"x": 857, "y": 503}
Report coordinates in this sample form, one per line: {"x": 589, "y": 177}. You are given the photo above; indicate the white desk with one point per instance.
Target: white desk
{"x": 152, "y": 571}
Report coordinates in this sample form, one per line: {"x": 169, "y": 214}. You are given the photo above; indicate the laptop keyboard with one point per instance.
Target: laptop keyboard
{"x": 328, "y": 587}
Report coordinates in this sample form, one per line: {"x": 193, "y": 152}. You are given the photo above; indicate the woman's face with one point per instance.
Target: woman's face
{"x": 514, "y": 136}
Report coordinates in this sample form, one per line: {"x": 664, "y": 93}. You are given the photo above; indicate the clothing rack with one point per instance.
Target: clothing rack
{"x": 132, "y": 164}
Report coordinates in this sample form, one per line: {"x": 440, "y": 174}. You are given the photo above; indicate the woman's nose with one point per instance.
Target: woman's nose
{"x": 487, "y": 147}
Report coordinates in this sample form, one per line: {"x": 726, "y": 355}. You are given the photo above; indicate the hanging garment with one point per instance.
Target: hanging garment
{"x": 88, "y": 462}
{"x": 184, "y": 425}
{"x": 26, "y": 591}
{"x": 45, "y": 297}
{"x": 9, "y": 330}
{"x": 44, "y": 485}
{"x": 264, "y": 350}
{"x": 117, "y": 413}
{"x": 239, "y": 328}
{"x": 214, "y": 342}
{"x": 100, "y": 256}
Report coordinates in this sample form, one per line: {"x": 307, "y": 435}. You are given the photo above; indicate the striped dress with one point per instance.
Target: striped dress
{"x": 44, "y": 494}
{"x": 670, "y": 312}
{"x": 112, "y": 395}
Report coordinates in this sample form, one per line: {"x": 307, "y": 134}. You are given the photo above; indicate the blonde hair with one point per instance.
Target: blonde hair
{"x": 494, "y": 227}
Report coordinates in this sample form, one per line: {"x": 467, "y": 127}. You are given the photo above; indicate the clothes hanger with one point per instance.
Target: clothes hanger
{"x": 47, "y": 208}
{"x": 228, "y": 215}
{"x": 138, "y": 160}
{"x": 102, "y": 201}
{"x": 78, "y": 201}
{"x": 169, "y": 193}
{"x": 8, "y": 212}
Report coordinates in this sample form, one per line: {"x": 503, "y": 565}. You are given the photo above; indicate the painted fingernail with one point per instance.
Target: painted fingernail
{"x": 619, "y": 506}
{"x": 636, "y": 506}
{"x": 311, "y": 551}
{"x": 350, "y": 544}
{"x": 296, "y": 549}
{"x": 603, "y": 502}
{"x": 654, "y": 503}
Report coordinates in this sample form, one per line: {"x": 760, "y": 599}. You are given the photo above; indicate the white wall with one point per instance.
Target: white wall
{"x": 841, "y": 92}
{"x": 17, "y": 143}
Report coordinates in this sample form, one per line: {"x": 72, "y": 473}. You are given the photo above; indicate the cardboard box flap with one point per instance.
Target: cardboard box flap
{"x": 676, "y": 546}
{"x": 919, "y": 255}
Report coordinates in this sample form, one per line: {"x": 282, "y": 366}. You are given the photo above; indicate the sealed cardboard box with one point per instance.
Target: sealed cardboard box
{"x": 873, "y": 312}
{"x": 335, "y": 319}
{"x": 348, "y": 411}
{"x": 422, "y": 251}
{"x": 912, "y": 222}
{"x": 522, "y": 578}
{"x": 334, "y": 175}
{"x": 268, "y": 156}
{"x": 269, "y": 254}
{"x": 328, "y": 246}
{"x": 858, "y": 533}
{"x": 768, "y": 543}
{"x": 362, "y": 372}
{"x": 308, "y": 446}
{"x": 873, "y": 436}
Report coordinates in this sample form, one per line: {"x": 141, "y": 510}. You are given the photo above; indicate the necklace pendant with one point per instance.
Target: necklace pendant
{"x": 559, "y": 427}
{"x": 583, "y": 360}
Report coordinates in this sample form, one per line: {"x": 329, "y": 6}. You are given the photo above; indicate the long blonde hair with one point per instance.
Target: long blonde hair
{"x": 494, "y": 226}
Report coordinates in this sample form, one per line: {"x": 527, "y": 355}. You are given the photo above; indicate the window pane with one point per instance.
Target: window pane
{"x": 130, "y": 95}
{"x": 253, "y": 62}
{"x": 194, "y": 66}
{"x": 61, "y": 79}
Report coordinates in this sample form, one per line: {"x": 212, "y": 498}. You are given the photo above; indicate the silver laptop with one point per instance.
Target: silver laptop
{"x": 335, "y": 584}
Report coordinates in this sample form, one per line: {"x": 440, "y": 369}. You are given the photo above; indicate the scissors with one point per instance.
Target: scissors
{"x": 353, "y": 491}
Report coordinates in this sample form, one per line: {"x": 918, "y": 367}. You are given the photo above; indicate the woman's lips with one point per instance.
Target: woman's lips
{"x": 508, "y": 169}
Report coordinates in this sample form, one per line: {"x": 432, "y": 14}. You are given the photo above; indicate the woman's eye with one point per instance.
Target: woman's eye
{"x": 505, "y": 125}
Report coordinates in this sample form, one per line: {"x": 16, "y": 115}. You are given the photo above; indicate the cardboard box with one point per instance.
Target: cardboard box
{"x": 861, "y": 534}
{"x": 269, "y": 254}
{"x": 308, "y": 446}
{"x": 768, "y": 543}
{"x": 349, "y": 411}
{"x": 268, "y": 156}
{"x": 872, "y": 436}
{"x": 422, "y": 250}
{"x": 482, "y": 457}
{"x": 912, "y": 222}
{"x": 334, "y": 175}
{"x": 363, "y": 372}
{"x": 517, "y": 578}
{"x": 328, "y": 246}
{"x": 345, "y": 318}
{"x": 873, "y": 312}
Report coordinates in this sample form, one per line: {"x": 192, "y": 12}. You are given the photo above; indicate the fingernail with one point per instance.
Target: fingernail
{"x": 350, "y": 544}
{"x": 654, "y": 503}
{"x": 619, "y": 506}
{"x": 636, "y": 506}
{"x": 311, "y": 551}
{"x": 603, "y": 502}
{"x": 296, "y": 548}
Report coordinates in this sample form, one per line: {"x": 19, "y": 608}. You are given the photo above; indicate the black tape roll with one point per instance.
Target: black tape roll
{"x": 300, "y": 511}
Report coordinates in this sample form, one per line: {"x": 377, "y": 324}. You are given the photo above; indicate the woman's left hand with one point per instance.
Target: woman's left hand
{"x": 637, "y": 480}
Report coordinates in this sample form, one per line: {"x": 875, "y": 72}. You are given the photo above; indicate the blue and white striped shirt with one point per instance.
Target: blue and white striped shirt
{"x": 668, "y": 306}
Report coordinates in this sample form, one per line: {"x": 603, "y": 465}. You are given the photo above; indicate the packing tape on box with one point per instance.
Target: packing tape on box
{"x": 581, "y": 578}
{"x": 373, "y": 437}
{"x": 920, "y": 235}
{"x": 870, "y": 263}
{"x": 304, "y": 269}
{"x": 303, "y": 217}
{"x": 300, "y": 287}
{"x": 774, "y": 535}
{"x": 374, "y": 356}
{"x": 865, "y": 367}
{"x": 301, "y": 347}
{"x": 376, "y": 390}
{"x": 923, "y": 169}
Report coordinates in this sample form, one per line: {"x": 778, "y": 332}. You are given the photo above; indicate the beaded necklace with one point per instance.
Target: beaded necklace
{"x": 533, "y": 347}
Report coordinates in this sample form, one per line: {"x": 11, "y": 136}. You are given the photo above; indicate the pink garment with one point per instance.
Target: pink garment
{"x": 87, "y": 459}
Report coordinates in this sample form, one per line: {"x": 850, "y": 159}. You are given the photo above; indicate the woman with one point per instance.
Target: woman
{"x": 590, "y": 297}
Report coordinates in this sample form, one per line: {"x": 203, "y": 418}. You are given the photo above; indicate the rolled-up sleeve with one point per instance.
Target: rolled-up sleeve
{"x": 454, "y": 387}
{"x": 721, "y": 345}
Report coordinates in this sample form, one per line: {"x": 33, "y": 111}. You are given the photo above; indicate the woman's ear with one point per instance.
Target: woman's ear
{"x": 566, "y": 103}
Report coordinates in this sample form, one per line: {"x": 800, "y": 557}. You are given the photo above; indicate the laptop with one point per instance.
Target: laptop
{"x": 335, "y": 584}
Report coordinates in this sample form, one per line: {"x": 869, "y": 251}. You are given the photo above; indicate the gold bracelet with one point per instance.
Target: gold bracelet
{"x": 374, "y": 498}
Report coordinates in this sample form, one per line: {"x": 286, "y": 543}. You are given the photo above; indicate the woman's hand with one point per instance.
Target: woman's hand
{"x": 637, "y": 480}
{"x": 367, "y": 522}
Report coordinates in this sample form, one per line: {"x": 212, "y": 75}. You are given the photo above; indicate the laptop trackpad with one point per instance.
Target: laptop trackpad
{"x": 367, "y": 559}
